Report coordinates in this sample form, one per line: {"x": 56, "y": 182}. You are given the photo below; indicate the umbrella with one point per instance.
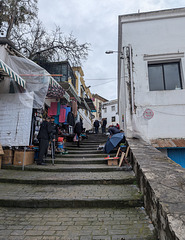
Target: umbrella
{"x": 113, "y": 141}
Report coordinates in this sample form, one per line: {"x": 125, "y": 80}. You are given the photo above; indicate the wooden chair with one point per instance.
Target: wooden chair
{"x": 124, "y": 157}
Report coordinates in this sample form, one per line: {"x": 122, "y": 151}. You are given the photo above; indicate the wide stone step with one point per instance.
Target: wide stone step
{"x": 63, "y": 160}
{"x": 70, "y": 168}
{"x": 82, "y": 147}
{"x": 84, "y": 151}
{"x": 69, "y": 178}
{"x": 92, "y": 143}
{"x": 86, "y": 155}
{"x": 62, "y": 196}
{"x": 76, "y": 223}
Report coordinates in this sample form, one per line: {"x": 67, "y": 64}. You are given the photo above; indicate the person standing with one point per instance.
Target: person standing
{"x": 53, "y": 135}
{"x": 118, "y": 126}
{"x": 43, "y": 137}
{"x": 96, "y": 125}
{"x": 78, "y": 130}
{"x": 104, "y": 123}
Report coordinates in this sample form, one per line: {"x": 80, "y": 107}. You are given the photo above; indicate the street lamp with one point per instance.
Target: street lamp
{"x": 112, "y": 51}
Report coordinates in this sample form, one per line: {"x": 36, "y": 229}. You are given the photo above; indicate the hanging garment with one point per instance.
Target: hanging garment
{"x": 71, "y": 119}
{"x": 56, "y": 119}
{"x": 53, "y": 109}
{"x": 68, "y": 109}
{"x": 74, "y": 108}
{"x": 62, "y": 115}
{"x": 58, "y": 109}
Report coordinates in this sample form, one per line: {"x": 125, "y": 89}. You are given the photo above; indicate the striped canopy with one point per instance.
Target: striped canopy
{"x": 56, "y": 90}
{"x": 9, "y": 72}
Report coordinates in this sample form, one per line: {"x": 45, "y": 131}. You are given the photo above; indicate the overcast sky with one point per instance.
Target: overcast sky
{"x": 96, "y": 22}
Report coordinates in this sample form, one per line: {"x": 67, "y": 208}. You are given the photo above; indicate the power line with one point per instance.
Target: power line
{"x": 101, "y": 84}
{"x": 99, "y": 79}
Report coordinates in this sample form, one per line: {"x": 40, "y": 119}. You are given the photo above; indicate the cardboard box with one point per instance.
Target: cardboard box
{"x": 112, "y": 162}
{"x": 19, "y": 155}
{"x": 7, "y": 157}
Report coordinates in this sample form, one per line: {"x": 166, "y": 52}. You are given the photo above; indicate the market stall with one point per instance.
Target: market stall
{"x": 24, "y": 87}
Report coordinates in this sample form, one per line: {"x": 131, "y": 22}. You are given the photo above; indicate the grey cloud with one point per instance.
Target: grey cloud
{"x": 96, "y": 21}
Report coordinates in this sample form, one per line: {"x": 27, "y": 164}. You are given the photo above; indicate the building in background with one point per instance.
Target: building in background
{"x": 151, "y": 87}
{"x": 86, "y": 107}
{"x": 98, "y": 103}
{"x": 110, "y": 112}
{"x": 72, "y": 80}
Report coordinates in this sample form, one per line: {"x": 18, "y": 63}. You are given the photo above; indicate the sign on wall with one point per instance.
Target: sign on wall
{"x": 15, "y": 119}
{"x": 148, "y": 114}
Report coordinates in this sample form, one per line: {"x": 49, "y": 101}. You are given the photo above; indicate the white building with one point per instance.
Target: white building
{"x": 98, "y": 103}
{"x": 151, "y": 67}
{"x": 86, "y": 106}
{"x": 110, "y": 112}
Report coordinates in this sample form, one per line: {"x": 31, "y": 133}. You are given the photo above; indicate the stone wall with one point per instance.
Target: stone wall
{"x": 162, "y": 183}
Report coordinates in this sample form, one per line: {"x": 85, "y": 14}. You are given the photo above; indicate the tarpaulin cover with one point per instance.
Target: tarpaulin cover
{"x": 37, "y": 79}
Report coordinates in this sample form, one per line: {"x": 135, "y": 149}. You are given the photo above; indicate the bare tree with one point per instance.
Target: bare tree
{"x": 16, "y": 12}
{"x": 39, "y": 45}
{"x": 19, "y": 23}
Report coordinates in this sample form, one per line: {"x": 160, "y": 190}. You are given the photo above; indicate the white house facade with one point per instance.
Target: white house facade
{"x": 151, "y": 67}
{"x": 110, "y": 112}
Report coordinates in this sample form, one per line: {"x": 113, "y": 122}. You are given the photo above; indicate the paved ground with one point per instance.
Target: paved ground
{"x": 80, "y": 197}
{"x": 72, "y": 224}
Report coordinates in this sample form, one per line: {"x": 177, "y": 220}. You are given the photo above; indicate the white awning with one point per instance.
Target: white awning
{"x": 9, "y": 72}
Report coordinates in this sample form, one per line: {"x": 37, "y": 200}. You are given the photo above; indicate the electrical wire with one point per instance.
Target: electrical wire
{"x": 101, "y": 84}
{"x": 99, "y": 79}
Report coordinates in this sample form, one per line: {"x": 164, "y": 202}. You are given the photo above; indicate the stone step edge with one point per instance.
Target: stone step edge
{"x": 129, "y": 180}
{"x": 71, "y": 155}
{"x": 72, "y": 203}
{"x": 27, "y": 168}
{"x": 68, "y": 161}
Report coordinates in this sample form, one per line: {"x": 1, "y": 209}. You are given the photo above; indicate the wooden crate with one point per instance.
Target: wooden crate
{"x": 19, "y": 155}
{"x": 7, "y": 157}
{"x": 112, "y": 162}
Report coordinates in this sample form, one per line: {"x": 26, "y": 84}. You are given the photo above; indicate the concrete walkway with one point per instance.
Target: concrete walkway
{"x": 82, "y": 199}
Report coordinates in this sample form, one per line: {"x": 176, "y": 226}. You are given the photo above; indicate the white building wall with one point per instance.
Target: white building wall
{"x": 86, "y": 119}
{"x": 15, "y": 119}
{"x": 109, "y": 113}
{"x": 153, "y": 37}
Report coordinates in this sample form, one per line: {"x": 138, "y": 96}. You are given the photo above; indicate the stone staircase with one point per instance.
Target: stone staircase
{"x": 81, "y": 197}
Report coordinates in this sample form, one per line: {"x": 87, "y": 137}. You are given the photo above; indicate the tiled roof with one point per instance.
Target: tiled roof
{"x": 168, "y": 142}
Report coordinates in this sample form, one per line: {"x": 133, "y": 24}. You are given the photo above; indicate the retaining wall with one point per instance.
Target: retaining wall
{"x": 162, "y": 183}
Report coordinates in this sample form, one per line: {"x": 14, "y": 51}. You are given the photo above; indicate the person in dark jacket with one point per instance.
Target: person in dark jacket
{"x": 53, "y": 136}
{"x": 96, "y": 125}
{"x": 43, "y": 137}
{"x": 113, "y": 130}
{"x": 78, "y": 130}
{"x": 103, "y": 127}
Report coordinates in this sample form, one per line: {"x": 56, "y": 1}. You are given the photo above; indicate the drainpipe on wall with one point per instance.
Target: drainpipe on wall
{"x": 131, "y": 78}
